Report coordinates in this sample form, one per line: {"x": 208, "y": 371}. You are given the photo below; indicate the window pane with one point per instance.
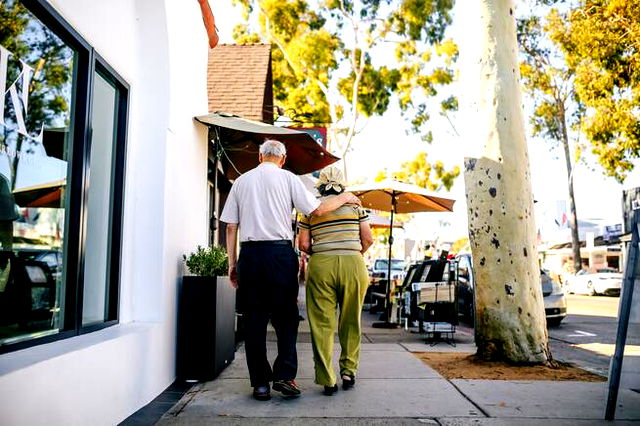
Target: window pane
{"x": 96, "y": 283}
{"x": 36, "y": 79}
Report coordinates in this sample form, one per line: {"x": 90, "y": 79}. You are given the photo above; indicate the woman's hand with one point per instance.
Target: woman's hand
{"x": 304, "y": 241}
{"x": 366, "y": 238}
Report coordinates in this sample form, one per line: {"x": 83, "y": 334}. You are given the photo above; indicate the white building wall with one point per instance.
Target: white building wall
{"x": 159, "y": 47}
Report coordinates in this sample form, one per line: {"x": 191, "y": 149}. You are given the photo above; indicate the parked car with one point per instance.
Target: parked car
{"x": 31, "y": 288}
{"x": 53, "y": 259}
{"x": 378, "y": 280}
{"x": 380, "y": 268}
{"x": 596, "y": 281}
{"x": 555, "y": 301}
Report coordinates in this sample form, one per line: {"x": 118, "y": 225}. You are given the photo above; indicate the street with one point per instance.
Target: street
{"x": 587, "y": 336}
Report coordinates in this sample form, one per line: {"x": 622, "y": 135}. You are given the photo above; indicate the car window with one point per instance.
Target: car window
{"x": 50, "y": 259}
{"x": 463, "y": 268}
{"x": 396, "y": 264}
{"x": 607, "y": 271}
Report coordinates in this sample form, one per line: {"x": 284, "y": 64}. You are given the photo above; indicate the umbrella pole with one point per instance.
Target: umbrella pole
{"x": 213, "y": 220}
{"x": 386, "y": 323}
{"x": 388, "y": 293}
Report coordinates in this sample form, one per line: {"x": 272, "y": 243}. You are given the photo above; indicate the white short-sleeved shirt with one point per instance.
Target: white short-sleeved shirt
{"x": 261, "y": 202}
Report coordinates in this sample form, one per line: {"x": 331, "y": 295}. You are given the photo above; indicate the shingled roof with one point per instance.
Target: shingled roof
{"x": 239, "y": 81}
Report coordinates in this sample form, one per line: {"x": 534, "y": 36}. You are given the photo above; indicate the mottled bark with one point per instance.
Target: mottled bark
{"x": 510, "y": 318}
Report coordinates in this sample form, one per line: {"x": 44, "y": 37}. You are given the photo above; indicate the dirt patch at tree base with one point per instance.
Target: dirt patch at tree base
{"x": 452, "y": 365}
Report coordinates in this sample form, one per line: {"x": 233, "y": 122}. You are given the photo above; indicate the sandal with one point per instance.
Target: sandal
{"x": 330, "y": 390}
{"x": 348, "y": 381}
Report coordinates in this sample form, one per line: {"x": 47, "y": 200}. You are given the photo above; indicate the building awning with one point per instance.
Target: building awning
{"x": 239, "y": 140}
{"x": 234, "y": 122}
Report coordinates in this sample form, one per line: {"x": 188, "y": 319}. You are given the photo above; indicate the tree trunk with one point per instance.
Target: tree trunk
{"x": 573, "y": 216}
{"x": 510, "y": 317}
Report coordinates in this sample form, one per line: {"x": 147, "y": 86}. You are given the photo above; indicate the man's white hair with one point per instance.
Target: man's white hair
{"x": 273, "y": 148}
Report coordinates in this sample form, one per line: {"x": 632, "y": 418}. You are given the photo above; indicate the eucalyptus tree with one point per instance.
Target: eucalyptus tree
{"x": 510, "y": 318}
{"x": 600, "y": 40}
{"x": 339, "y": 61}
{"x": 557, "y": 110}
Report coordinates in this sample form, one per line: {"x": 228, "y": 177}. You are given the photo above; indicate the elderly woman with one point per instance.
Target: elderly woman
{"x": 336, "y": 279}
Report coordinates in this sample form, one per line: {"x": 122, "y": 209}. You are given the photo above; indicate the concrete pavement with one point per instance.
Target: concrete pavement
{"x": 587, "y": 337}
{"x": 393, "y": 387}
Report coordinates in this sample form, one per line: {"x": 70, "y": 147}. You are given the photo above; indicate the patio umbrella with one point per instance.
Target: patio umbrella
{"x": 239, "y": 140}
{"x": 47, "y": 194}
{"x": 378, "y": 222}
{"x": 398, "y": 197}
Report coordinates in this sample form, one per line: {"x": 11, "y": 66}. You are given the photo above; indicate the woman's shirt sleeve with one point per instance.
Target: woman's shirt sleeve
{"x": 304, "y": 222}
{"x": 363, "y": 216}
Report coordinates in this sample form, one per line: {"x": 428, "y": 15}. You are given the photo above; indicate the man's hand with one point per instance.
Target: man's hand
{"x": 233, "y": 276}
{"x": 331, "y": 203}
{"x": 232, "y": 236}
{"x": 352, "y": 199}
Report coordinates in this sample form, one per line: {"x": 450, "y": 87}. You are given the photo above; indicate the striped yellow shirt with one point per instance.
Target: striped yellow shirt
{"x": 337, "y": 232}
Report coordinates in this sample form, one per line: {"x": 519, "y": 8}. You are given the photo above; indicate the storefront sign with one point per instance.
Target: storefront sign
{"x": 317, "y": 133}
{"x": 611, "y": 232}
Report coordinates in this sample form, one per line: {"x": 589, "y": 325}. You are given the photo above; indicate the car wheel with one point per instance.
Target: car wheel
{"x": 592, "y": 290}
{"x": 554, "y": 322}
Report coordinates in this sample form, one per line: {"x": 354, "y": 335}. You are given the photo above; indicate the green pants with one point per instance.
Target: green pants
{"x": 335, "y": 281}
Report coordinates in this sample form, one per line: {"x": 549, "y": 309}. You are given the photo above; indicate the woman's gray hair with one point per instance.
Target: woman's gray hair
{"x": 273, "y": 148}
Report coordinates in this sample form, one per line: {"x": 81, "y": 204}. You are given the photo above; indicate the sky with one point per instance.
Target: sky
{"x": 383, "y": 143}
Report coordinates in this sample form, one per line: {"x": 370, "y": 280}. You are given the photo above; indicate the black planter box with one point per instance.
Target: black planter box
{"x": 206, "y": 327}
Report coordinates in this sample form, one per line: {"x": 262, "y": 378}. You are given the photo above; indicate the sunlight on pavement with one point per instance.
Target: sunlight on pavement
{"x": 608, "y": 349}
{"x": 592, "y": 306}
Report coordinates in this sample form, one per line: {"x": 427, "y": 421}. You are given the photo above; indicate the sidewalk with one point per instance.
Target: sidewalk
{"x": 394, "y": 387}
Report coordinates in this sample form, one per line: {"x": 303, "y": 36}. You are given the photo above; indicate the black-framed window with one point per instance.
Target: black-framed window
{"x": 63, "y": 124}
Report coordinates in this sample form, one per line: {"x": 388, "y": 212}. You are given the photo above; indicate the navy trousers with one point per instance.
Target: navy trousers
{"x": 268, "y": 291}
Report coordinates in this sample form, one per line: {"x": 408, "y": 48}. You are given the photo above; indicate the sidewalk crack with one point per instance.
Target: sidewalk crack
{"x": 182, "y": 404}
{"x": 469, "y": 399}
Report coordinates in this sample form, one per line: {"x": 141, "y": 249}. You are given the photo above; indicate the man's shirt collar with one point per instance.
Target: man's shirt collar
{"x": 269, "y": 163}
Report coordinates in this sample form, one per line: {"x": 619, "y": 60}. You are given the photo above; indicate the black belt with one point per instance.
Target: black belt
{"x": 265, "y": 243}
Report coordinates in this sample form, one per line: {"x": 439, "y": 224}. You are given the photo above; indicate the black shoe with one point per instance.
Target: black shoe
{"x": 286, "y": 387}
{"x": 330, "y": 390}
{"x": 261, "y": 393}
{"x": 348, "y": 381}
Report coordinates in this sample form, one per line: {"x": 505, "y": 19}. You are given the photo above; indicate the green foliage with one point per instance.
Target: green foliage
{"x": 600, "y": 40}
{"x": 422, "y": 173}
{"x": 208, "y": 262}
{"x": 549, "y": 81}
{"x": 375, "y": 88}
{"x": 327, "y": 52}
{"x": 52, "y": 62}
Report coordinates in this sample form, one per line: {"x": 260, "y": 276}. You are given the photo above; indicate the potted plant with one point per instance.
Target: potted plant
{"x": 206, "y": 316}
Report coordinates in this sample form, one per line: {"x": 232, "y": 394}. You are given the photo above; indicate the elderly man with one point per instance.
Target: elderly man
{"x": 266, "y": 273}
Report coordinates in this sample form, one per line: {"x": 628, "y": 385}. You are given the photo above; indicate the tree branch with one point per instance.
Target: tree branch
{"x": 333, "y": 113}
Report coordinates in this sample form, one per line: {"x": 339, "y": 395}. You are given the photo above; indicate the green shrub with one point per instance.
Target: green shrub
{"x": 208, "y": 262}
